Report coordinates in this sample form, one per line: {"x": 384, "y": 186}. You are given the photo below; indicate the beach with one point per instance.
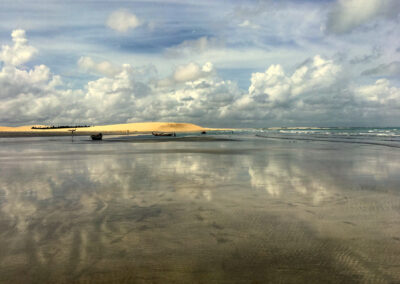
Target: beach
{"x": 200, "y": 142}
{"x": 220, "y": 209}
{"x": 111, "y": 129}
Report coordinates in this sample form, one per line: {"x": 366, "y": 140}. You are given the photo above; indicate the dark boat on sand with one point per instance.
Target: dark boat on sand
{"x": 163, "y": 133}
{"x": 97, "y": 136}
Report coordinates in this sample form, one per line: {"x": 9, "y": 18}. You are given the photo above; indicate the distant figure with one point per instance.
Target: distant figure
{"x": 97, "y": 136}
{"x": 203, "y": 132}
{"x": 72, "y": 133}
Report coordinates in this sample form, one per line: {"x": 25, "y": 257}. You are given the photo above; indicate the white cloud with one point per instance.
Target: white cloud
{"x": 188, "y": 72}
{"x": 30, "y": 96}
{"x": 122, "y": 20}
{"x": 192, "y": 72}
{"x": 349, "y": 14}
{"x": 20, "y": 52}
{"x": 113, "y": 98}
{"x": 274, "y": 86}
{"x": 105, "y": 68}
{"x": 316, "y": 92}
{"x": 381, "y": 92}
{"x": 309, "y": 93}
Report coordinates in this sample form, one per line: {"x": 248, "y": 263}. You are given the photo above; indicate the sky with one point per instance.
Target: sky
{"x": 213, "y": 63}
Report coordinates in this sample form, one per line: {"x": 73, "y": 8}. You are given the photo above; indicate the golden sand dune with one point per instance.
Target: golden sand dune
{"x": 110, "y": 129}
{"x": 149, "y": 126}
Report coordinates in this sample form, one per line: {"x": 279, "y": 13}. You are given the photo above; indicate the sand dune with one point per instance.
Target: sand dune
{"x": 114, "y": 128}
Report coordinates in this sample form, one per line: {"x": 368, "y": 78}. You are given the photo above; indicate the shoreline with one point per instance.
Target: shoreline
{"x": 113, "y": 129}
{"x": 13, "y": 134}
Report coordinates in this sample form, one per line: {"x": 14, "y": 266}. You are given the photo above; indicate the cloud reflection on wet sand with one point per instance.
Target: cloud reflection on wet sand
{"x": 280, "y": 212}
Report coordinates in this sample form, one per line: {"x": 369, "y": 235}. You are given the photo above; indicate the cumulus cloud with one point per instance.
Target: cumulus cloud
{"x": 391, "y": 69}
{"x": 312, "y": 91}
{"x": 29, "y": 96}
{"x": 122, "y": 20}
{"x": 195, "y": 93}
{"x": 20, "y": 53}
{"x": 381, "y": 93}
{"x": 187, "y": 73}
{"x": 346, "y": 15}
{"x": 105, "y": 68}
{"x": 192, "y": 72}
{"x": 315, "y": 92}
{"x": 114, "y": 97}
{"x": 274, "y": 86}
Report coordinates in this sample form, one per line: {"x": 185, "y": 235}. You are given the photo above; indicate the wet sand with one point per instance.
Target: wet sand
{"x": 204, "y": 211}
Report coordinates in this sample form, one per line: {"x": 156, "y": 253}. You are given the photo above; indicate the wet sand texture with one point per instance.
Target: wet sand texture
{"x": 252, "y": 211}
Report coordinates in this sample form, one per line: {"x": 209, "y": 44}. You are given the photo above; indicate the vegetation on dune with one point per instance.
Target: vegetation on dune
{"x": 60, "y": 126}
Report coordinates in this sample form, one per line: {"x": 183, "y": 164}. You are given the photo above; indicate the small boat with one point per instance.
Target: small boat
{"x": 97, "y": 136}
{"x": 163, "y": 133}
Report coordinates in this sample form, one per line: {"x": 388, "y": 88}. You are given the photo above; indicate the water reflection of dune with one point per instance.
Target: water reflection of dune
{"x": 73, "y": 216}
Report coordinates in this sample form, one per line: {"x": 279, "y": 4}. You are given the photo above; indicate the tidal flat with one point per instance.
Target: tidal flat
{"x": 251, "y": 210}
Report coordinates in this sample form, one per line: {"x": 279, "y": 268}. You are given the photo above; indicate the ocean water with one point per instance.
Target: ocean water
{"x": 387, "y": 136}
{"x": 327, "y": 131}
{"x": 252, "y": 206}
